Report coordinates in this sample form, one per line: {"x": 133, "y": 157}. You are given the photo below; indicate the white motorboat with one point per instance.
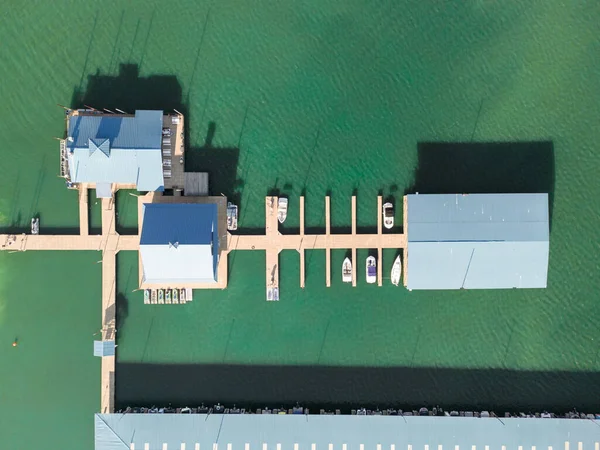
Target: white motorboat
{"x": 282, "y": 206}
{"x": 347, "y": 271}
{"x": 232, "y": 216}
{"x": 35, "y": 225}
{"x": 396, "y": 271}
{"x": 147, "y": 296}
{"x": 371, "y": 270}
{"x": 388, "y": 215}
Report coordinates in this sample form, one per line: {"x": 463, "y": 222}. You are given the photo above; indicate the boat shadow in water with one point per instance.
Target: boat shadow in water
{"x": 331, "y": 387}
{"x": 485, "y": 168}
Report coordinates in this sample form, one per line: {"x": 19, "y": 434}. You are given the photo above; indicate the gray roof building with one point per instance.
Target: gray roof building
{"x": 322, "y": 432}
{"x": 477, "y": 241}
{"x": 180, "y": 243}
{"x": 112, "y": 148}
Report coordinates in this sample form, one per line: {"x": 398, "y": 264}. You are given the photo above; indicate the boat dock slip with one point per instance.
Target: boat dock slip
{"x": 273, "y": 242}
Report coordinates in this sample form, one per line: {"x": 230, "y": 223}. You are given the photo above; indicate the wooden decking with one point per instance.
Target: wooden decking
{"x": 272, "y": 242}
{"x": 109, "y": 243}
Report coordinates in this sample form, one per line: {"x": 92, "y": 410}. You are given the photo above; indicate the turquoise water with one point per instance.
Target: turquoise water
{"x": 314, "y": 96}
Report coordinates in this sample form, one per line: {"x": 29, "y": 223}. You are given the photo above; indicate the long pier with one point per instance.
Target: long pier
{"x": 272, "y": 242}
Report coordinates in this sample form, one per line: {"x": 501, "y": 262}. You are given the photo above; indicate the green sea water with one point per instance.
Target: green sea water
{"x": 314, "y": 96}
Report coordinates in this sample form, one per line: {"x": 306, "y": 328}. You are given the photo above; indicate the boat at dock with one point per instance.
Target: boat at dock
{"x": 388, "y": 215}
{"x": 182, "y": 295}
{"x": 347, "y": 271}
{"x": 232, "y": 216}
{"x": 396, "y": 271}
{"x": 161, "y": 296}
{"x": 282, "y": 207}
{"x": 146, "y": 296}
{"x": 175, "y": 295}
{"x": 168, "y": 295}
{"x": 371, "y": 269}
{"x": 35, "y": 225}
{"x": 153, "y": 297}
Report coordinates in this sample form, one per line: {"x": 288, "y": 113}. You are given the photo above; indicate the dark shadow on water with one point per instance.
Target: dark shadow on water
{"x": 351, "y": 387}
{"x": 485, "y": 168}
{"x": 122, "y": 309}
{"x": 221, "y": 165}
{"x": 210, "y": 134}
{"x": 129, "y": 91}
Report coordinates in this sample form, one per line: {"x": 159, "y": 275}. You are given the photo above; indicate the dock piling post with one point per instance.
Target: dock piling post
{"x": 328, "y": 249}
{"x": 301, "y": 249}
{"x": 379, "y": 232}
{"x": 354, "y": 262}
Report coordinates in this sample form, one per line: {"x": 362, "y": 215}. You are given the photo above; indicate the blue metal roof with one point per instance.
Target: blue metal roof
{"x": 477, "y": 241}
{"x": 142, "y": 131}
{"x": 104, "y": 348}
{"x": 180, "y": 243}
{"x": 117, "y": 149}
{"x": 322, "y": 432}
{"x": 185, "y": 223}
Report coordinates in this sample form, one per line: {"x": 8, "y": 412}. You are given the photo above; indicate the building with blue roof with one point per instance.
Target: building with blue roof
{"x": 179, "y": 243}
{"x": 477, "y": 241}
{"x": 340, "y": 432}
{"x": 103, "y": 149}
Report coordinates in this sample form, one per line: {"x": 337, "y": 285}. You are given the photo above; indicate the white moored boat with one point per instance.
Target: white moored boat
{"x": 396, "y": 271}
{"x": 35, "y": 225}
{"x": 347, "y": 271}
{"x": 282, "y": 205}
{"x": 232, "y": 216}
{"x": 388, "y": 215}
{"x": 371, "y": 269}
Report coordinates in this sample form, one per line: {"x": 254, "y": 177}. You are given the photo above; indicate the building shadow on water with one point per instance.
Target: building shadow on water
{"x": 351, "y": 387}
{"x": 485, "y": 168}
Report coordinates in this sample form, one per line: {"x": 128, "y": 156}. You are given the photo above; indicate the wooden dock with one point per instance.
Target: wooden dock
{"x": 272, "y": 243}
{"x": 109, "y": 243}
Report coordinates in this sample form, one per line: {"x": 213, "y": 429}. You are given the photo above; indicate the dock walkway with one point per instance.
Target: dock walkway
{"x": 272, "y": 242}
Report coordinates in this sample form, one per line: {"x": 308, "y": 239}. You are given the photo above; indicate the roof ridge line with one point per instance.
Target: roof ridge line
{"x": 98, "y": 415}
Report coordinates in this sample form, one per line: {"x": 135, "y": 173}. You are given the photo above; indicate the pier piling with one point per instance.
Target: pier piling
{"x": 354, "y": 261}
{"x": 328, "y": 249}
{"x": 379, "y": 233}
{"x": 301, "y": 250}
